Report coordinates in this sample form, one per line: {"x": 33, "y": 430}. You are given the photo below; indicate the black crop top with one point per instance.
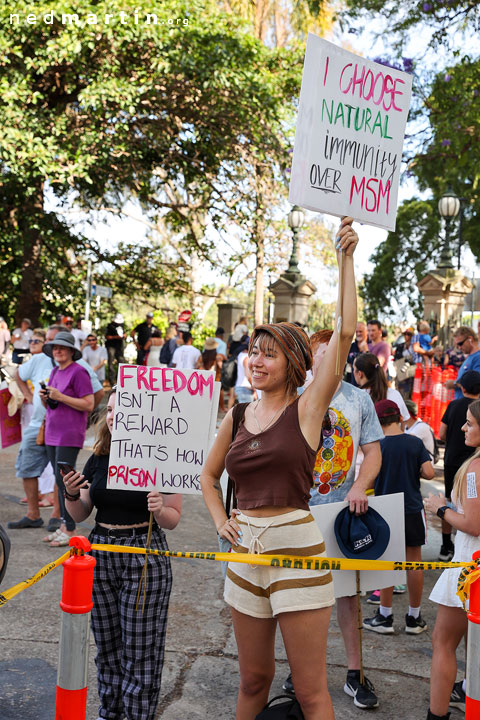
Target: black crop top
{"x": 114, "y": 507}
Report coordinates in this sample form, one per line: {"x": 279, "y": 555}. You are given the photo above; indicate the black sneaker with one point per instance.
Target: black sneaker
{"x": 457, "y": 698}
{"x": 414, "y": 626}
{"x": 363, "y": 694}
{"x": 446, "y": 553}
{"x": 288, "y": 685}
{"x": 379, "y": 624}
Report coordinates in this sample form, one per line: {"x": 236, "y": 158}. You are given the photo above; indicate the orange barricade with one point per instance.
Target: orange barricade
{"x": 430, "y": 394}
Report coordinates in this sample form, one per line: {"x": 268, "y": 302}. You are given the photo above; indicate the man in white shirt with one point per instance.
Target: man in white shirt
{"x": 79, "y": 335}
{"x": 186, "y": 356}
{"x": 415, "y": 426}
{"x": 96, "y": 356}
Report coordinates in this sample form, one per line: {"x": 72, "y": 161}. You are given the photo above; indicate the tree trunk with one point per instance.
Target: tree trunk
{"x": 31, "y": 286}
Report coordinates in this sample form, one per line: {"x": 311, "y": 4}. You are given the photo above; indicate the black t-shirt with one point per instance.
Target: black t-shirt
{"x": 144, "y": 333}
{"x": 454, "y": 417}
{"x": 114, "y": 507}
{"x": 112, "y": 329}
{"x": 402, "y": 457}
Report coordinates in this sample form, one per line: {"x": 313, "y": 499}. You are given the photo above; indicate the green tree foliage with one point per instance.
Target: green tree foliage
{"x": 401, "y": 261}
{"x": 443, "y": 135}
{"x": 103, "y": 111}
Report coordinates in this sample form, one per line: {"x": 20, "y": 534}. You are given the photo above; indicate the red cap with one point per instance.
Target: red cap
{"x": 386, "y": 408}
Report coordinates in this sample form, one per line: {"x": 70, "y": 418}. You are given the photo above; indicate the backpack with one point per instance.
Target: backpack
{"x": 165, "y": 354}
{"x": 228, "y": 376}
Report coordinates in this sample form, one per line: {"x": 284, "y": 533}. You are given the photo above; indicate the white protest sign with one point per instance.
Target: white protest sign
{"x": 349, "y": 135}
{"x": 163, "y": 427}
{"x": 391, "y": 508}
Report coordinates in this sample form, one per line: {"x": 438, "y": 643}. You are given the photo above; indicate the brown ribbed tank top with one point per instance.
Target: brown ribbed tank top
{"x": 274, "y": 467}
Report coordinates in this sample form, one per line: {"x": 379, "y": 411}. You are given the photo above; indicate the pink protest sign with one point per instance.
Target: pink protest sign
{"x": 349, "y": 135}
{"x": 163, "y": 426}
{"x": 10, "y": 427}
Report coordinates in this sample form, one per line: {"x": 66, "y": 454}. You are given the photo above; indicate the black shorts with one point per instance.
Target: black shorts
{"x": 449, "y": 472}
{"x": 415, "y": 529}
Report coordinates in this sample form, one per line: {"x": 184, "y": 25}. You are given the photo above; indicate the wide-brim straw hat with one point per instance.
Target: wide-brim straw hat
{"x": 211, "y": 344}
{"x": 65, "y": 339}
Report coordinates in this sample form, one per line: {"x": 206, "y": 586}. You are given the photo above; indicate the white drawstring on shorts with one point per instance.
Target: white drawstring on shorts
{"x": 256, "y": 547}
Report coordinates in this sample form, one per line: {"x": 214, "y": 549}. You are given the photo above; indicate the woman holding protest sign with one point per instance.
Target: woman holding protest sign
{"x": 130, "y": 642}
{"x": 271, "y": 462}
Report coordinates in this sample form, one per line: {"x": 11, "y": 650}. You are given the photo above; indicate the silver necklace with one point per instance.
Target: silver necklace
{"x": 277, "y": 412}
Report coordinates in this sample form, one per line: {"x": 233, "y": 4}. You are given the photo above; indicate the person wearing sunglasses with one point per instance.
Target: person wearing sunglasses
{"x": 466, "y": 341}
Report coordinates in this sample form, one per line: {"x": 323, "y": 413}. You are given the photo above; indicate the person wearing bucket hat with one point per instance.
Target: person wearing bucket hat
{"x": 404, "y": 460}
{"x": 68, "y": 399}
{"x": 270, "y": 462}
{"x": 114, "y": 342}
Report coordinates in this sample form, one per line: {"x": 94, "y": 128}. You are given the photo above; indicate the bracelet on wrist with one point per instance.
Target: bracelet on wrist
{"x": 72, "y": 498}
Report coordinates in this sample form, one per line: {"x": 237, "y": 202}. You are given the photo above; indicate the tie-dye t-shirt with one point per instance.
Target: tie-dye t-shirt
{"x": 354, "y": 423}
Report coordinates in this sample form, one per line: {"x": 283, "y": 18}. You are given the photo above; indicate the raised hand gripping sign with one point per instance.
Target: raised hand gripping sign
{"x": 163, "y": 426}
{"x": 349, "y": 135}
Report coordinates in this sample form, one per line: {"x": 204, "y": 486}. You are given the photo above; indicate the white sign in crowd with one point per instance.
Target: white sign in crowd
{"x": 163, "y": 427}
{"x": 349, "y": 135}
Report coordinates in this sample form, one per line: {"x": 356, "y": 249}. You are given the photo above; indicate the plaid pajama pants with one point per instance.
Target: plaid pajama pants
{"x": 130, "y": 644}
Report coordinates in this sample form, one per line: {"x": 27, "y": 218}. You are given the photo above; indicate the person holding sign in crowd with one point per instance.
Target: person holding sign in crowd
{"x": 130, "y": 643}
{"x": 451, "y": 623}
{"x": 271, "y": 463}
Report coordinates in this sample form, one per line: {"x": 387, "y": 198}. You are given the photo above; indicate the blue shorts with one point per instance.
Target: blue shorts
{"x": 243, "y": 394}
{"x": 32, "y": 458}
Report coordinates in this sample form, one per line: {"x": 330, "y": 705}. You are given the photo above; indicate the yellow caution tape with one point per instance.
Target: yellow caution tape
{"x": 7, "y": 595}
{"x": 469, "y": 574}
{"x": 284, "y": 561}
{"x": 288, "y": 561}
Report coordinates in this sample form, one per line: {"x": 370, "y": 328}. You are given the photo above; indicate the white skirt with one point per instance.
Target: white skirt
{"x": 445, "y": 589}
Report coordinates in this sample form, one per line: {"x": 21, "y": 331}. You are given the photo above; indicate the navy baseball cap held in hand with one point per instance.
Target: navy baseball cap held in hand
{"x": 365, "y": 537}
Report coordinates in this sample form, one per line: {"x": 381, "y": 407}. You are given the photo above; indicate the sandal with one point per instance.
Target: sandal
{"x": 45, "y": 503}
{"x": 51, "y": 536}
{"x": 61, "y": 540}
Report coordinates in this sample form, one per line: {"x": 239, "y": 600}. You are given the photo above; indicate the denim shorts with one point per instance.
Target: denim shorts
{"x": 32, "y": 458}
{"x": 243, "y": 394}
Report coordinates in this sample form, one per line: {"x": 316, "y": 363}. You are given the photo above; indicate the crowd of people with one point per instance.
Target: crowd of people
{"x": 294, "y": 434}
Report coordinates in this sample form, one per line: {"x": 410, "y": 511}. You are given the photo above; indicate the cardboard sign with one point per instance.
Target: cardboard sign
{"x": 163, "y": 427}
{"x": 391, "y": 508}
{"x": 10, "y": 427}
{"x": 349, "y": 135}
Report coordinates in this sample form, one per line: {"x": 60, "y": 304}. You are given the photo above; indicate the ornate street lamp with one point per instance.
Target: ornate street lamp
{"x": 448, "y": 207}
{"x": 296, "y": 218}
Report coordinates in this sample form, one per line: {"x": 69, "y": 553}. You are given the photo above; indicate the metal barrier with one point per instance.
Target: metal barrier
{"x": 76, "y": 603}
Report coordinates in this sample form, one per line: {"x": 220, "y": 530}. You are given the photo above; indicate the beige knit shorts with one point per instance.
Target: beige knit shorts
{"x": 265, "y": 592}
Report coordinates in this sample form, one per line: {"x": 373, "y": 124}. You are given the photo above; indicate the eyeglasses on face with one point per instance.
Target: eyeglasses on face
{"x": 92, "y": 339}
{"x": 35, "y": 342}
{"x": 459, "y": 344}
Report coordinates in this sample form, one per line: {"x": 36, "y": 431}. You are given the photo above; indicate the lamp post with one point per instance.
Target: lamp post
{"x": 448, "y": 207}
{"x": 296, "y": 218}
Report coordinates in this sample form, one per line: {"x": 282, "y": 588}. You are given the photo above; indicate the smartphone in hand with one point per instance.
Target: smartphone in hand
{"x": 65, "y": 467}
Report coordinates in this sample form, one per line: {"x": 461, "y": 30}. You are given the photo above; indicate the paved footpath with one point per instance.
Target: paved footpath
{"x": 201, "y": 672}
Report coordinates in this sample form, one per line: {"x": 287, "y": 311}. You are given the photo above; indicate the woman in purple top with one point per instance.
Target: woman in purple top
{"x": 68, "y": 399}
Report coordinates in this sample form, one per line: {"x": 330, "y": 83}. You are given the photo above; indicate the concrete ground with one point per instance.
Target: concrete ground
{"x": 201, "y": 671}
